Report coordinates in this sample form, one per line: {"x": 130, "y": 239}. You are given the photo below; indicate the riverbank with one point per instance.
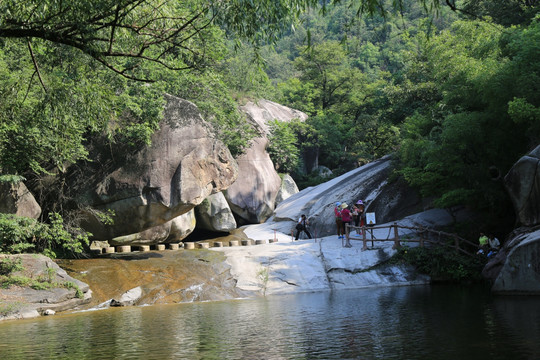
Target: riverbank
{"x": 283, "y": 266}
{"x": 34, "y": 285}
{"x": 322, "y": 264}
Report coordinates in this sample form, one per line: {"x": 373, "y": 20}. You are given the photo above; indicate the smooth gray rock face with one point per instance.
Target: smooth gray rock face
{"x": 523, "y": 185}
{"x": 265, "y": 111}
{"x": 17, "y": 199}
{"x": 252, "y": 197}
{"x": 183, "y": 166}
{"x": 388, "y": 200}
{"x": 214, "y": 214}
{"x": 520, "y": 271}
{"x": 288, "y": 188}
{"x": 128, "y": 298}
{"x": 172, "y": 231}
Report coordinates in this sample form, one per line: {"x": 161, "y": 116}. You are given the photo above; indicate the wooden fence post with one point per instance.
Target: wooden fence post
{"x": 364, "y": 238}
{"x": 396, "y": 237}
{"x": 347, "y": 231}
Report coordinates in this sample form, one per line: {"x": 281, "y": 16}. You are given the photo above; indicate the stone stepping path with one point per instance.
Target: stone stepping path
{"x": 177, "y": 246}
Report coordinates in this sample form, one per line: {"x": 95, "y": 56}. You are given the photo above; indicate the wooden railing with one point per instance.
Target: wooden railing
{"x": 420, "y": 235}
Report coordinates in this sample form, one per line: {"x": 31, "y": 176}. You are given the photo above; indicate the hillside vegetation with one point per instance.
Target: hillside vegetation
{"x": 450, "y": 87}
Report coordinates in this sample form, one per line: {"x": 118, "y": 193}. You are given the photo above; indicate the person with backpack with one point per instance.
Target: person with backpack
{"x": 339, "y": 223}
{"x": 302, "y": 226}
{"x": 346, "y": 218}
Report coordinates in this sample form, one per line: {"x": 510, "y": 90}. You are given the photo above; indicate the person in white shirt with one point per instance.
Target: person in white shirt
{"x": 494, "y": 243}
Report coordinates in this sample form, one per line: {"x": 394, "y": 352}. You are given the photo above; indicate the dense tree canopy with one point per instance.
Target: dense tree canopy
{"x": 452, "y": 91}
{"x": 456, "y": 100}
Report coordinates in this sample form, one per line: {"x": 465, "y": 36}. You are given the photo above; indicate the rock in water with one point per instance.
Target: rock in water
{"x": 128, "y": 298}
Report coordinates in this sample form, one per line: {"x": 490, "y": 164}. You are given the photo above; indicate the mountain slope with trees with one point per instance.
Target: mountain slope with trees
{"x": 450, "y": 87}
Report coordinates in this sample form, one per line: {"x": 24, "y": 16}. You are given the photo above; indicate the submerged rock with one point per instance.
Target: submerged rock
{"x": 164, "y": 277}
{"x": 128, "y": 298}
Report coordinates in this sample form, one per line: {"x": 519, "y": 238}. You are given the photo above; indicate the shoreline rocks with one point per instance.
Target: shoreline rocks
{"x": 62, "y": 292}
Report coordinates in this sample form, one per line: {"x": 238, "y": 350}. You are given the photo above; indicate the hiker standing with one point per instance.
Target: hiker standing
{"x": 302, "y": 226}
{"x": 339, "y": 223}
{"x": 346, "y": 219}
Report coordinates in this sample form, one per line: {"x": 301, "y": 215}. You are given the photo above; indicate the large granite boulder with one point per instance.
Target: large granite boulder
{"x": 264, "y": 111}
{"x": 389, "y": 200}
{"x": 523, "y": 185}
{"x": 183, "y": 166}
{"x": 252, "y": 197}
{"x": 172, "y": 231}
{"x": 17, "y": 199}
{"x": 214, "y": 214}
{"x": 288, "y": 188}
{"x": 516, "y": 268}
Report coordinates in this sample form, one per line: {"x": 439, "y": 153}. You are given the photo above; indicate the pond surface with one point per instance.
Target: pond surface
{"x": 427, "y": 322}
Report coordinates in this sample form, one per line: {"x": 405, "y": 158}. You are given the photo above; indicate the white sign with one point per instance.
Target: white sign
{"x": 370, "y": 218}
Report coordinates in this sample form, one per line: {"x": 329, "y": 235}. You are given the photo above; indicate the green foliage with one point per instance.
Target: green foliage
{"x": 209, "y": 92}
{"x": 312, "y": 179}
{"x": 46, "y": 282}
{"x": 11, "y": 179}
{"x": 10, "y": 265}
{"x": 482, "y": 114}
{"x": 9, "y": 308}
{"x": 263, "y": 276}
{"x": 105, "y": 217}
{"x": 21, "y": 234}
{"x": 504, "y": 12}
{"x": 441, "y": 263}
{"x": 282, "y": 147}
{"x": 17, "y": 233}
{"x": 71, "y": 285}
{"x": 43, "y": 129}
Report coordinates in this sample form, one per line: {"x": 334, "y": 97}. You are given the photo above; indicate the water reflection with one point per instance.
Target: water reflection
{"x": 438, "y": 322}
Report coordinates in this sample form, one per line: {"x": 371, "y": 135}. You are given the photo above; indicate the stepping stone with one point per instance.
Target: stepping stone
{"x": 123, "y": 249}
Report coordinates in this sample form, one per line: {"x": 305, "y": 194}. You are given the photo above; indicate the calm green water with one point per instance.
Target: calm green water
{"x": 437, "y": 322}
